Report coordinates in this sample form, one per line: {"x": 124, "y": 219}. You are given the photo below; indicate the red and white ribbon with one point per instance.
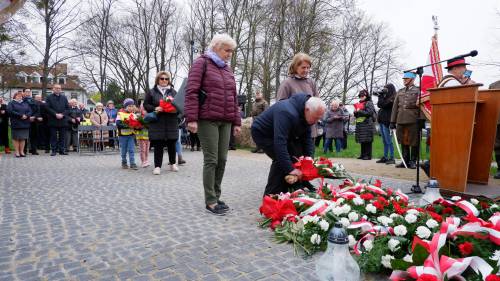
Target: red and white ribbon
{"x": 468, "y": 207}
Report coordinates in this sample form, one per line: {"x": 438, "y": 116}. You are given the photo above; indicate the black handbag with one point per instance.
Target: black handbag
{"x": 202, "y": 95}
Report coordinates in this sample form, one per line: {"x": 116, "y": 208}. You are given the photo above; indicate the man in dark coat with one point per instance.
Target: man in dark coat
{"x": 57, "y": 108}
{"x": 43, "y": 138}
{"x": 259, "y": 106}
{"x": 284, "y": 132}
{"x": 34, "y": 120}
{"x": 404, "y": 119}
{"x": 385, "y": 103}
{"x": 4, "y": 126}
{"x": 74, "y": 115}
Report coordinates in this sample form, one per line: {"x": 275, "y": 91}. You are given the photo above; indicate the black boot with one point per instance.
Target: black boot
{"x": 362, "y": 150}
{"x": 406, "y": 156}
{"x": 413, "y": 157}
{"x": 368, "y": 151}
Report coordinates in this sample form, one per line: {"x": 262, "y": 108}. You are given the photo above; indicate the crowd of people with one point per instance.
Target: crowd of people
{"x": 288, "y": 129}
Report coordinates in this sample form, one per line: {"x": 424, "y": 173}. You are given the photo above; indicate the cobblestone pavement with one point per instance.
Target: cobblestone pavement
{"x": 84, "y": 218}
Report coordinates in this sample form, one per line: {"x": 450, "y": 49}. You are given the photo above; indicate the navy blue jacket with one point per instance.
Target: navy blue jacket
{"x": 57, "y": 104}
{"x": 281, "y": 123}
{"x": 16, "y": 110}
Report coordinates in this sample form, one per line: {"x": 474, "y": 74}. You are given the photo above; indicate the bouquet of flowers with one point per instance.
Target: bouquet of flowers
{"x": 319, "y": 168}
{"x": 167, "y": 105}
{"x": 447, "y": 239}
{"x": 133, "y": 122}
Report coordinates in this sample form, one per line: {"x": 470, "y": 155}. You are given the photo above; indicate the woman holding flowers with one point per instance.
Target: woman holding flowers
{"x": 163, "y": 132}
{"x": 211, "y": 108}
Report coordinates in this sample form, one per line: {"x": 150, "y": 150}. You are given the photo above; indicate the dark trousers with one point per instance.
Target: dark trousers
{"x": 194, "y": 140}
{"x": 317, "y": 140}
{"x": 34, "y": 136}
{"x": 344, "y": 141}
{"x": 71, "y": 138}
{"x": 366, "y": 149}
{"x": 232, "y": 141}
{"x": 159, "y": 146}
{"x": 409, "y": 153}
{"x": 43, "y": 137}
{"x": 57, "y": 139}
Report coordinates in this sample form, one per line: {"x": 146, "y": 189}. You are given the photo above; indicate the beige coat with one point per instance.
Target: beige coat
{"x": 405, "y": 109}
{"x": 99, "y": 119}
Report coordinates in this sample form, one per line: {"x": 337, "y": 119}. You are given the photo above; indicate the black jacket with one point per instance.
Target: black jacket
{"x": 385, "y": 103}
{"x": 74, "y": 113}
{"x": 57, "y": 104}
{"x": 167, "y": 126}
{"x": 282, "y": 124}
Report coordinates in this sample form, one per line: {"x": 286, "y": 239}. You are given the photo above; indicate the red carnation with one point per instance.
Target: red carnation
{"x": 466, "y": 248}
{"x": 399, "y": 209}
{"x": 382, "y": 200}
{"x": 484, "y": 205}
{"x": 378, "y": 183}
{"x": 492, "y": 277}
{"x": 427, "y": 277}
{"x": 367, "y": 196}
{"x": 448, "y": 210}
{"x": 390, "y": 191}
{"x": 435, "y": 216}
{"x": 430, "y": 208}
{"x": 378, "y": 205}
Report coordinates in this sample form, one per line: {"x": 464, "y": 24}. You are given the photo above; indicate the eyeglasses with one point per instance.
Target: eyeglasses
{"x": 164, "y": 78}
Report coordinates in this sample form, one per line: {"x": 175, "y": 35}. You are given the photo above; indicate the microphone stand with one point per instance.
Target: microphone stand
{"x": 421, "y": 121}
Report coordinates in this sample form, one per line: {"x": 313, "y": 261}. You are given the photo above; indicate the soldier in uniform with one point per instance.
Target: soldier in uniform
{"x": 456, "y": 68}
{"x": 496, "y": 85}
{"x": 404, "y": 119}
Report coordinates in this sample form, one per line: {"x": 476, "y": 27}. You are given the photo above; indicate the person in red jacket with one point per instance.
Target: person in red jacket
{"x": 211, "y": 107}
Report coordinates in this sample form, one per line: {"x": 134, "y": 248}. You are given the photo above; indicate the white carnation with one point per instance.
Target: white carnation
{"x": 412, "y": 211}
{"x": 353, "y": 216}
{"x": 394, "y": 215}
{"x": 340, "y": 201}
{"x": 346, "y": 209}
{"x": 410, "y": 218}
{"x": 384, "y": 220}
{"x": 338, "y": 211}
{"x": 494, "y": 206}
{"x": 474, "y": 201}
{"x": 352, "y": 241}
{"x": 368, "y": 245}
{"x": 307, "y": 219}
{"x": 432, "y": 223}
{"x": 400, "y": 230}
{"x": 324, "y": 225}
{"x": 386, "y": 261}
{"x": 358, "y": 201}
{"x": 345, "y": 222}
{"x": 423, "y": 232}
{"x": 408, "y": 258}
{"x": 365, "y": 217}
{"x": 496, "y": 257}
{"x": 393, "y": 245}
{"x": 371, "y": 209}
{"x": 456, "y": 198}
{"x": 315, "y": 239}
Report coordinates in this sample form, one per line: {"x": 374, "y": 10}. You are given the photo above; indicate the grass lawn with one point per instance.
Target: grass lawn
{"x": 354, "y": 149}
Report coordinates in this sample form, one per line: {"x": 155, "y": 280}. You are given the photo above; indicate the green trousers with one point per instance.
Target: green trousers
{"x": 214, "y": 138}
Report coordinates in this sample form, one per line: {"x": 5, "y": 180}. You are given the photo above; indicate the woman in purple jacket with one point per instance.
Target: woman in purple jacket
{"x": 211, "y": 107}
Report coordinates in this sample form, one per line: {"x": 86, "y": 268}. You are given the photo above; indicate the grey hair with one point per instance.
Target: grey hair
{"x": 221, "y": 39}
{"x": 73, "y": 100}
{"x": 314, "y": 104}
{"x": 99, "y": 104}
{"x": 335, "y": 102}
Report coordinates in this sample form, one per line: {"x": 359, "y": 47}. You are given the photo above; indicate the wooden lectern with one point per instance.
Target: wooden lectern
{"x": 463, "y": 129}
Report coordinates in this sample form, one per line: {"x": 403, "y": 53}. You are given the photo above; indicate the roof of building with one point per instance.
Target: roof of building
{"x": 10, "y": 72}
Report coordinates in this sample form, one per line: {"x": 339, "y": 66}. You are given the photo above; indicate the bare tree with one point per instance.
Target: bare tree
{"x": 60, "y": 20}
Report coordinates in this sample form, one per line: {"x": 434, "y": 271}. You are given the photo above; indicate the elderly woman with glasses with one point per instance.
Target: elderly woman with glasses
{"x": 165, "y": 131}
{"x": 211, "y": 108}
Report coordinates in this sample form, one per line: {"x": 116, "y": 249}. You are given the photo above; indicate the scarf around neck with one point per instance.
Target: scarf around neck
{"x": 216, "y": 59}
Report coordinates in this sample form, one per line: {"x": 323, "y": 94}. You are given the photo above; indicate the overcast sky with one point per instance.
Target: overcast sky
{"x": 464, "y": 26}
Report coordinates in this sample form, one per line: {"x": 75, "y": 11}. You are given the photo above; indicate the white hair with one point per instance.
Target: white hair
{"x": 314, "y": 104}
{"x": 221, "y": 39}
{"x": 99, "y": 104}
{"x": 335, "y": 102}
{"x": 73, "y": 100}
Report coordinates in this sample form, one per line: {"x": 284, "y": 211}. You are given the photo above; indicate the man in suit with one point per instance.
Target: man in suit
{"x": 57, "y": 107}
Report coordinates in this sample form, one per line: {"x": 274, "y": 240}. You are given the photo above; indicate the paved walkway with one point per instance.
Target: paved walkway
{"x": 84, "y": 218}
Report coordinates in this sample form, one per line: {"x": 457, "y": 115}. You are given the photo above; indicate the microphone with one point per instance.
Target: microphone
{"x": 470, "y": 54}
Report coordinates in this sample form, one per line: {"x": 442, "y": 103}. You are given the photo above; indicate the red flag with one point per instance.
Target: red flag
{"x": 431, "y": 77}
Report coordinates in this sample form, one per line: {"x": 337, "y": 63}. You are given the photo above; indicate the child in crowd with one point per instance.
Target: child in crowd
{"x": 126, "y": 135}
{"x": 143, "y": 139}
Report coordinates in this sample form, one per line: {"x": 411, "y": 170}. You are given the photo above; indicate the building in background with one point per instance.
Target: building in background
{"x": 14, "y": 77}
